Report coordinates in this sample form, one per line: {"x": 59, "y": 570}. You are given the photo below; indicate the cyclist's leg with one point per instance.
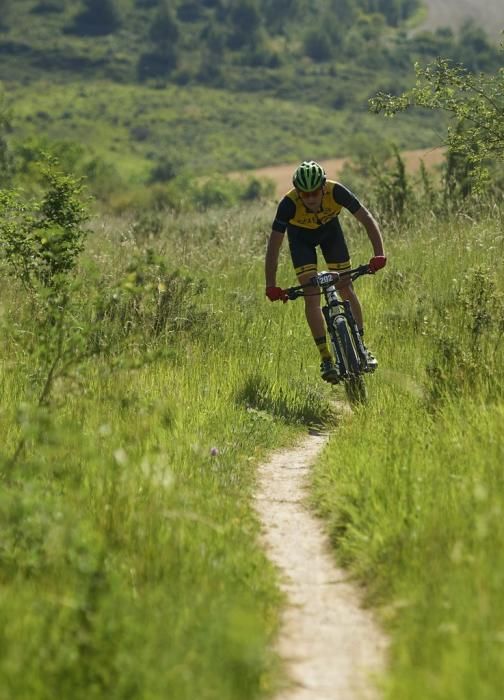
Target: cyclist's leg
{"x": 304, "y": 258}
{"x": 335, "y": 251}
{"x": 302, "y": 245}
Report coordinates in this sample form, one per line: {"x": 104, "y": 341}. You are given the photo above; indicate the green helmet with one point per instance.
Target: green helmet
{"x": 309, "y": 176}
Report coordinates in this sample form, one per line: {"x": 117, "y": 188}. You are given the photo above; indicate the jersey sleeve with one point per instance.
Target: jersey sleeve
{"x": 285, "y": 212}
{"x": 347, "y": 199}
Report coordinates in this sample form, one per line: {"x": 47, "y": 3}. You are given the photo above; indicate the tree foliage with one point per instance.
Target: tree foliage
{"x": 164, "y": 28}
{"x": 98, "y": 17}
{"x": 41, "y": 240}
{"x": 6, "y": 162}
{"x": 164, "y": 33}
{"x": 5, "y": 9}
{"x": 394, "y": 11}
{"x": 474, "y": 104}
{"x": 246, "y": 21}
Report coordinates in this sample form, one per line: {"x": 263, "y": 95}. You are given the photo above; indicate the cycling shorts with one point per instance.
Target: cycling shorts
{"x": 329, "y": 237}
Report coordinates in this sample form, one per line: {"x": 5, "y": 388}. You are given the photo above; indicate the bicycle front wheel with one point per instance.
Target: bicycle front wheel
{"x": 348, "y": 354}
{"x": 355, "y": 386}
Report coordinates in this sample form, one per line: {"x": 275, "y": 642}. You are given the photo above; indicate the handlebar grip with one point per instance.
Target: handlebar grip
{"x": 292, "y": 293}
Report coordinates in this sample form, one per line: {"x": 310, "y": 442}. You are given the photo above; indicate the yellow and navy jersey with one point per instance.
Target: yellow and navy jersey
{"x": 292, "y": 211}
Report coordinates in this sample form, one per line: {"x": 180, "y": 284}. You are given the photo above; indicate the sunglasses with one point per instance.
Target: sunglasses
{"x": 313, "y": 193}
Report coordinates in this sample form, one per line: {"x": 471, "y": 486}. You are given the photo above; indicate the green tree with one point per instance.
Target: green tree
{"x": 6, "y": 161}
{"x": 5, "y": 8}
{"x": 278, "y": 14}
{"x": 474, "y": 103}
{"x": 317, "y": 44}
{"x": 475, "y": 50}
{"x": 189, "y": 11}
{"x": 394, "y": 11}
{"x": 164, "y": 29}
{"x": 42, "y": 240}
{"x": 99, "y": 17}
{"x": 344, "y": 11}
{"x": 215, "y": 38}
{"x": 246, "y": 22}
{"x": 164, "y": 33}
{"x": 47, "y": 6}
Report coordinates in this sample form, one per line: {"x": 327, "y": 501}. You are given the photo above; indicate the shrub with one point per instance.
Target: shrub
{"x": 100, "y": 17}
{"x": 42, "y": 239}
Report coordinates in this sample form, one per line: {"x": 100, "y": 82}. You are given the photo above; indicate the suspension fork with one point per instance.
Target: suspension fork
{"x": 355, "y": 331}
{"x": 334, "y": 339}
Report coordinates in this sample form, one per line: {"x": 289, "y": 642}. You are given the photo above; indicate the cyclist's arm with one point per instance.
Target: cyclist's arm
{"x": 274, "y": 244}
{"x": 372, "y": 229}
{"x": 346, "y": 198}
{"x": 284, "y": 213}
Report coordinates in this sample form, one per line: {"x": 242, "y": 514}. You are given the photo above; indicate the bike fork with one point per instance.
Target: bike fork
{"x": 338, "y": 356}
{"x": 355, "y": 333}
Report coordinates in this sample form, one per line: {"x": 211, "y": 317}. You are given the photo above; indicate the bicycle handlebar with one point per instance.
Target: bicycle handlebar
{"x": 326, "y": 279}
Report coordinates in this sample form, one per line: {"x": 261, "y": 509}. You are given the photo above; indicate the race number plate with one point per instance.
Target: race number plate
{"x": 325, "y": 278}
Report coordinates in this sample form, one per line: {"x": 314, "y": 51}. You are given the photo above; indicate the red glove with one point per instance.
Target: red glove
{"x": 275, "y": 294}
{"x": 377, "y": 263}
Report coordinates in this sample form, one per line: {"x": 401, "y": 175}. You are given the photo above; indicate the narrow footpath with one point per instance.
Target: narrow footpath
{"x": 332, "y": 648}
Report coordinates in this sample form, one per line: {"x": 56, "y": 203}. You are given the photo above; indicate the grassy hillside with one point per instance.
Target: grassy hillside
{"x": 194, "y": 129}
{"x": 236, "y": 93}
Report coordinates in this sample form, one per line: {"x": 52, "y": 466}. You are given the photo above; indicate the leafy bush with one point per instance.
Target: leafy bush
{"x": 47, "y": 6}
{"x": 475, "y": 102}
{"x": 99, "y": 17}
{"x": 157, "y": 64}
{"x": 5, "y": 10}
{"x": 41, "y": 240}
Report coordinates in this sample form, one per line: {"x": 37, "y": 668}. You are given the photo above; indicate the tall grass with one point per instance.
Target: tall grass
{"x": 130, "y": 560}
{"x": 412, "y": 485}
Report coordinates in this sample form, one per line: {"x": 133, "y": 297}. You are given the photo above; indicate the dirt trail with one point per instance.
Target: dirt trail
{"x": 330, "y": 644}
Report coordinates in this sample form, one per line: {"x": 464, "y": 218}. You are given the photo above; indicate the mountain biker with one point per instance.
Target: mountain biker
{"x": 309, "y": 212}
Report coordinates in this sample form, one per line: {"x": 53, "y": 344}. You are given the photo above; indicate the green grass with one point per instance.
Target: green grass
{"x": 412, "y": 485}
{"x": 130, "y": 559}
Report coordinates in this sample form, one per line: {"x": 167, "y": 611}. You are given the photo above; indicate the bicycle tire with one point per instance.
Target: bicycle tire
{"x": 356, "y": 390}
{"x": 355, "y": 386}
{"x": 348, "y": 354}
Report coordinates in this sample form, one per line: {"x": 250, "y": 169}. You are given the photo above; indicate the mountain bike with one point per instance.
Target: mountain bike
{"x": 350, "y": 355}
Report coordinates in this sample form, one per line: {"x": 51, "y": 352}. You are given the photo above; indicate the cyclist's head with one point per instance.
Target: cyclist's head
{"x": 309, "y": 176}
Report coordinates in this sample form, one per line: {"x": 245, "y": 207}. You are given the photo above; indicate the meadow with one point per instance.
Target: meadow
{"x": 130, "y": 560}
{"x": 412, "y": 485}
{"x": 143, "y": 382}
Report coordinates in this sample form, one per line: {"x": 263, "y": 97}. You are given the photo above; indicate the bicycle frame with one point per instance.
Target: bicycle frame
{"x": 350, "y": 355}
